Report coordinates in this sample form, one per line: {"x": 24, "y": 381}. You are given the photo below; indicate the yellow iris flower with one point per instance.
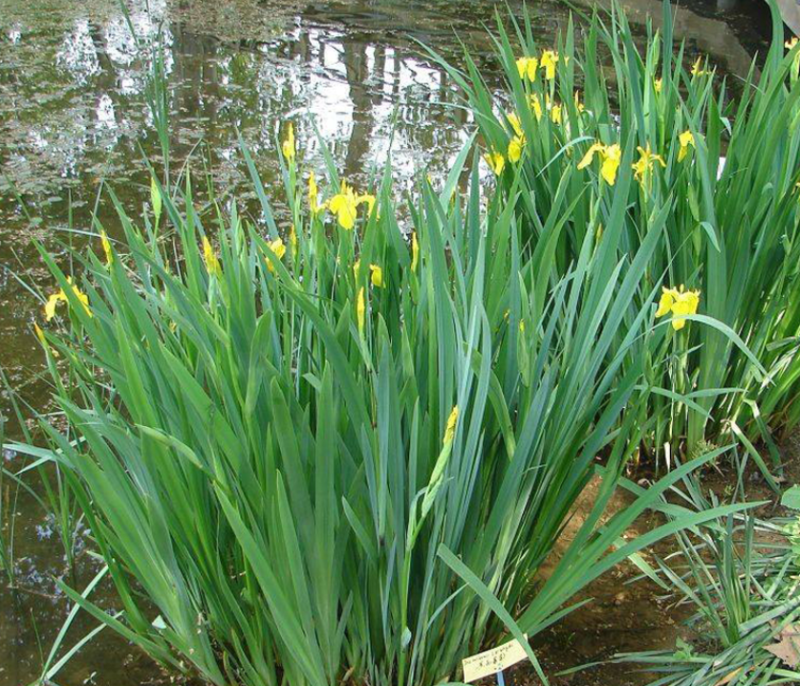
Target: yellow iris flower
{"x": 517, "y": 143}
{"x": 657, "y": 85}
{"x": 578, "y": 104}
{"x": 611, "y": 161}
{"x": 450, "y": 429}
{"x": 61, "y": 296}
{"x": 313, "y": 194}
{"x": 536, "y": 106}
{"x": 375, "y": 273}
{"x": 789, "y": 44}
{"x": 548, "y": 63}
{"x": 496, "y": 161}
{"x": 107, "y": 247}
{"x": 555, "y": 113}
{"x": 698, "y": 69}
{"x": 646, "y": 163}
{"x": 514, "y": 151}
{"x": 278, "y": 248}
{"x": 212, "y": 263}
{"x": 610, "y": 156}
{"x": 361, "y": 310}
{"x": 414, "y": 251}
{"x": 680, "y": 303}
{"x": 345, "y": 205}
{"x": 686, "y": 140}
{"x": 526, "y": 67}
{"x": 288, "y": 146}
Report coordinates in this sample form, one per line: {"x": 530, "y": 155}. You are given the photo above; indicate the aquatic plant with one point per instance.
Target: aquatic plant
{"x": 725, "y": 164}
{"x": 339, "y": 449}
{"x": 741, "y": 576}
{"x": 311, "y": 455}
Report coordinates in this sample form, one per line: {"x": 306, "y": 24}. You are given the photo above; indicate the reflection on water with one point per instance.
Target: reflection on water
{"x": 72, "y": 109}
{"x": 73, "y": 115}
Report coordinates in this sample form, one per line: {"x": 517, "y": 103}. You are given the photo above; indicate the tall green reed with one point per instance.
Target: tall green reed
{"x": 726, "y": 167}
{"x": 290, "y": 449}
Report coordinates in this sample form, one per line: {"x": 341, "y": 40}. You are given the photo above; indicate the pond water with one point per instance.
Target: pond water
{"x": 73, "y": 117}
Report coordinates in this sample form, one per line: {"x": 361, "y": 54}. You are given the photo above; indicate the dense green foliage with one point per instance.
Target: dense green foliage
{"x": 345, "y": 450}
{"x": 267, "y": 444}
{"x": 725, "y": 168}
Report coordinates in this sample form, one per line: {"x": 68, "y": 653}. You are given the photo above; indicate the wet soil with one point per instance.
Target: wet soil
{"x": 631, "y": 614}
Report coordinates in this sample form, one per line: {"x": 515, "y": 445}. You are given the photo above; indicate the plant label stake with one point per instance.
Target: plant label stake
{"x": 493, "y": 661}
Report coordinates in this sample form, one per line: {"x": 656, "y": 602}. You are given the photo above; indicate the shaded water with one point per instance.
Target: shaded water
{"x": 73, "y": 116}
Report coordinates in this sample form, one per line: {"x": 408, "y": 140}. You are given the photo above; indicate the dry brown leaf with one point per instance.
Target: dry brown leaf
{"x": 788, "y": 647}
{"x": 727, "y": 679}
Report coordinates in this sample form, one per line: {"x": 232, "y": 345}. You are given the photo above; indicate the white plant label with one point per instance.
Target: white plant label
{"x": 493, "y": 661}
